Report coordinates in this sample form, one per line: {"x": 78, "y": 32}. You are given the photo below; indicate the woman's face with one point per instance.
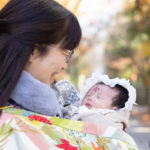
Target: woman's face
{"x": 44, "y": 68}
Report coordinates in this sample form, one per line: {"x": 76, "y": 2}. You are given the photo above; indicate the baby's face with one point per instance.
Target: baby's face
{"x": 100, "y": 96}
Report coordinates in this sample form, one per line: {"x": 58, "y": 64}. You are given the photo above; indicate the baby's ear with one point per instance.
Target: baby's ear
{"x": 115, "y": 108}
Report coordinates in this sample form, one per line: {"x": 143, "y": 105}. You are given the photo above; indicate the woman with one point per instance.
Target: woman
{"x": 37, "y": 38}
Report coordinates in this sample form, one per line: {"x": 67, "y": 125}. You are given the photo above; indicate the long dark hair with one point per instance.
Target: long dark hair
{"x": 26, "y": 24}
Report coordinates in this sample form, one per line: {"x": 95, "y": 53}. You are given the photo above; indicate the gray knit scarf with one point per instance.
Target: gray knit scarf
{"x": 35, "y": 95}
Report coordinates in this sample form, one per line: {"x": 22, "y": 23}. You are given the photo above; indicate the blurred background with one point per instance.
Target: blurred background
{"x": 116, "y": 41}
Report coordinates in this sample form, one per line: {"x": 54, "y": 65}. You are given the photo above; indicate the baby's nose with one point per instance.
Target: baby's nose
{"x": 90, "y": 99}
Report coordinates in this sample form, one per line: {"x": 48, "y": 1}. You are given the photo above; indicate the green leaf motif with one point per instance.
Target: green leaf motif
{"x": 53, "y": 133}
{"x": 5, "y": 132}
{"x": 85, "y": 147}
{"x": 131, "y": 149}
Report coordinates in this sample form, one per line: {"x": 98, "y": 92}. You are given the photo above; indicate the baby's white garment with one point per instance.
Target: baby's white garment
{"x": 118, "y": 119}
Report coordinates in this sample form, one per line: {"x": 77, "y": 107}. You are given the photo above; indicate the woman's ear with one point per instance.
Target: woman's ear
{"x": 33, "y": 56}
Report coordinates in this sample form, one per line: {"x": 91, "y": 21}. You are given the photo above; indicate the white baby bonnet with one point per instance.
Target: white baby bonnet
{"x": 97, "y": 77}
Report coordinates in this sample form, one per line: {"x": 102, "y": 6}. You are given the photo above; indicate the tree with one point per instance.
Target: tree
{"x": 129, "y": 45}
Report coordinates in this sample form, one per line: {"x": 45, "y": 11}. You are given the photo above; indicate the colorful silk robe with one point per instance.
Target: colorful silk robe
{"x": 25, "y": 130}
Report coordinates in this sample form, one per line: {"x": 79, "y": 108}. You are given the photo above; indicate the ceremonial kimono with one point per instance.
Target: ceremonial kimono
{"x": 25, "y": 130}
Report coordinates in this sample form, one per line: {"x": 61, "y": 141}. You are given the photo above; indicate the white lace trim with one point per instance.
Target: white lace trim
{"x": 98, "y": 77}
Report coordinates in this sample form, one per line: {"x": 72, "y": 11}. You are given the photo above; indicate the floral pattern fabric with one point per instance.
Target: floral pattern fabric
{"x": 25, "y": 130}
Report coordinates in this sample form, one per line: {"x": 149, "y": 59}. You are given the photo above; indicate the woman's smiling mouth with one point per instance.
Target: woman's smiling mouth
{"x": 53, "y": 80}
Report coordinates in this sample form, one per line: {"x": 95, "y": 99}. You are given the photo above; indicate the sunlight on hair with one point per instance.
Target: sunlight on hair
{"x": 71, "y": 5}
{"x": 3, "y": 3}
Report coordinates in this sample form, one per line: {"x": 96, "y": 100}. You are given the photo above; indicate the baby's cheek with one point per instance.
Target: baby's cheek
{"x": 95, "y": 103}
{"x": 98, "y": 105}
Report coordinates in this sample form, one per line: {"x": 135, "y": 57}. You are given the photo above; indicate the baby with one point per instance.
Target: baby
{"x": 105, "y": 97}
{"x": 102, "y": 100}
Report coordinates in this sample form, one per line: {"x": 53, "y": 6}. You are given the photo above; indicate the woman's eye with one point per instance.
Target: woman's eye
{"x": 65, "y": 53}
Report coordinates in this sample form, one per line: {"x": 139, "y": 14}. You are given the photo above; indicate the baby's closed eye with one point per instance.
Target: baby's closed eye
{"x": 89, "y": 94}
{"x": 98, "y": 96}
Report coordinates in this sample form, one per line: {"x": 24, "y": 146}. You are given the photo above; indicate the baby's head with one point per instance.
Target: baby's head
{"x": 106, "y": 97}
